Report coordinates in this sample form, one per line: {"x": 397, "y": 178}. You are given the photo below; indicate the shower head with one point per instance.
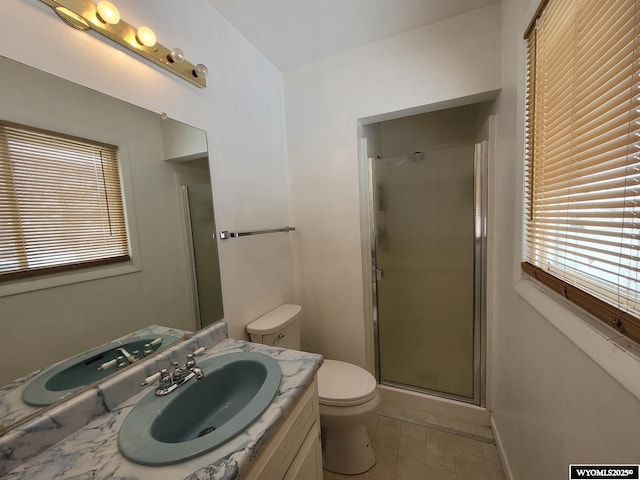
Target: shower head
{"x": 416, "y": 156}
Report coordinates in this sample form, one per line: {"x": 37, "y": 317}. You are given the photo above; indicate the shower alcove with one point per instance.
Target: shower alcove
{"x": 424, "y": 221}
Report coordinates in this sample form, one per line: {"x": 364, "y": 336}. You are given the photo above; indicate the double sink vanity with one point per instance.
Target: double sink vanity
{"x": 233, "y": 410}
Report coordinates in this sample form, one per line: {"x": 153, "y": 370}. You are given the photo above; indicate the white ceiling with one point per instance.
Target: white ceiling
{"x": 291, "y": 33}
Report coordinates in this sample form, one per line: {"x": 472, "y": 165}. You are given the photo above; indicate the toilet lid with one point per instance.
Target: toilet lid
{"x": 341, "y": 383}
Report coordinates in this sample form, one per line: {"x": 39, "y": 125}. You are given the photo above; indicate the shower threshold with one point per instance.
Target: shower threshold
{"x": 425, "y": 391}
{"x": 404, "y": 402}
{"x": 441, "y": 428}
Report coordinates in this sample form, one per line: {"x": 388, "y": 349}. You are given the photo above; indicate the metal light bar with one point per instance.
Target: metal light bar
{"x": 83, "y": 15}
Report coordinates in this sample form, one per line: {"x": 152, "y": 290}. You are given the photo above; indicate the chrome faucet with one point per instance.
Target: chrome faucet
{"x": 170, "y": 380}
{"x": 129, "y": 357}
{"x": 124, "y": 358}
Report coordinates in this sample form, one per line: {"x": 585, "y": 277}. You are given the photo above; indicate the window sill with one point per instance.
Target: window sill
{"x": 68, "y": 278}
{"x": 616, "y": 354}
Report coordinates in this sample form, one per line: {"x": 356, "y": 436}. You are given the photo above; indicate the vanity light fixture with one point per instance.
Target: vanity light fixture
{"x": 104, "y": 18}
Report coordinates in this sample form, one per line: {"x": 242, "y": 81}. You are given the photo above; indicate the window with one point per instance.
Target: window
{"x": 582, "y": 177}
{"x": 60, "y": 203}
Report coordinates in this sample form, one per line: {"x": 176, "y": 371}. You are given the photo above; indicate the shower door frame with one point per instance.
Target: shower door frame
{"x": 480, "y": 209}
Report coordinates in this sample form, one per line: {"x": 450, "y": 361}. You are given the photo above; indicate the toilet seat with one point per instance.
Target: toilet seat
{"x": 344, "y": 384}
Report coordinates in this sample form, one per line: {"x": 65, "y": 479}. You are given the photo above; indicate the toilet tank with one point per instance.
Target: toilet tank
{"x": 280, "y": 327}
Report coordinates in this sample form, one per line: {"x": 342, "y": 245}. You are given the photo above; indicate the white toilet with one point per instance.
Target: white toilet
{"x": 348, "y": 395}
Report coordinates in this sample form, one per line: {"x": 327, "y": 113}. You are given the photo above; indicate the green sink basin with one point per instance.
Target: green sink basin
{"x": 66, "y": 377}
{"x": 202, "y": 414}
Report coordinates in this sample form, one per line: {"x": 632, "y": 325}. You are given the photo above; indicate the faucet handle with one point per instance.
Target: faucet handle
{"x": 163, "y": 375}
{"x": 149, "y": 347}
{"x": 199, "y": 351}
{"x": 150, "y": 379}
{"x": 107, "y": 365}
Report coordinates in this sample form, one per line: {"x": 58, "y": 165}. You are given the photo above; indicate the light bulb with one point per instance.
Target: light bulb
{"x": 176, "y": 55}
{"x": 200, "y": 71}
{"x": 108, "y": 13}
{"x": 146, "y": 37}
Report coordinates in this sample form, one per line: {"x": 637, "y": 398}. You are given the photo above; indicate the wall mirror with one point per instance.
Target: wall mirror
{"x": 173, "y": 279}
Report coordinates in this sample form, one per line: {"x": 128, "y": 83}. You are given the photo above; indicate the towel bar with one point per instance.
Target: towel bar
{"x": 224, "y": 235}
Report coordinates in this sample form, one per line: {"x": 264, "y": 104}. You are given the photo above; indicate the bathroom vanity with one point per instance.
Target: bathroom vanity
{"x": 78, "y": 439}
{"x": 294, "y": 452}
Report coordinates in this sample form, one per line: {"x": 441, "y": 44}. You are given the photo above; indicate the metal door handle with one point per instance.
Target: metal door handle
{"x": 379, "y": 274}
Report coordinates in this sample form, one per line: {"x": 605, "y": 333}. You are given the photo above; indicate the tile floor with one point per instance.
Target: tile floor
{"x": 416, "y": 445}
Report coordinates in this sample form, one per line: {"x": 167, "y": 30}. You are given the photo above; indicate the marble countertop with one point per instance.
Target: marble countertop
{"x": 12, "y": 408}
{"x": 91, "y": 452}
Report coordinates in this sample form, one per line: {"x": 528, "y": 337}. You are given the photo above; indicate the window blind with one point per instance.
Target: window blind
{"x": 60, "y": 203}
{"x": 582, "y": 175}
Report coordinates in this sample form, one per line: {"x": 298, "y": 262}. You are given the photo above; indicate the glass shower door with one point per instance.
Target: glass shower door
{"x": 425, "y": 244}
{"x": 204, "y": 250}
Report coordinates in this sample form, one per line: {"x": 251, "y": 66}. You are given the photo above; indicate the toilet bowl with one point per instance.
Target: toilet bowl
{"x": 348, "y": 395}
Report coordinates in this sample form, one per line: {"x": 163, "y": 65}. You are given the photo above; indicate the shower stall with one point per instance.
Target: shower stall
{"x": 427, "y": 222}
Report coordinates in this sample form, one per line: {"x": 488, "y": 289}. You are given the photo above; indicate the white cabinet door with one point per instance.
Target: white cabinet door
{"x": 308, "y": 462}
